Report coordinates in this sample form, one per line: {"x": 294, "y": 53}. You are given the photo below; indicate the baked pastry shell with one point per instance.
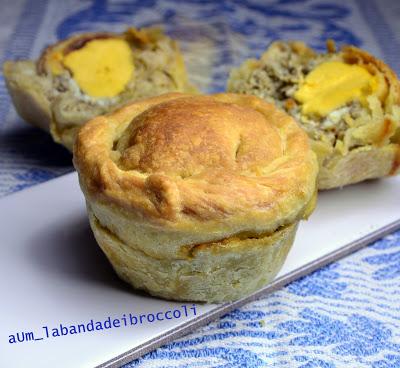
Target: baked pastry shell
{"x": 31, "y": 88}
{"x": 194, "y": 238}
{"x": 379, "y": 155}
{"x": 210, "y": 272}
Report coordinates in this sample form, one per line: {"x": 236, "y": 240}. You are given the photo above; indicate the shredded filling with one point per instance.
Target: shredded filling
{"x": 327, "y": 96}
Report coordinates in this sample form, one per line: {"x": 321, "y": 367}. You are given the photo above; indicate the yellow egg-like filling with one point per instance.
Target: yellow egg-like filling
{"x": 333, "y": 84}
{"x": 102, "y": 68}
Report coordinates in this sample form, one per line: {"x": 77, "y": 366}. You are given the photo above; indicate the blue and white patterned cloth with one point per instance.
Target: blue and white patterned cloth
{"x": 345, "y": 315}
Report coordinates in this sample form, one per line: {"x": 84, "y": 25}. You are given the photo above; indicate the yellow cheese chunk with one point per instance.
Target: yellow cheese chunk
{"x": 102, "y": 67}
{"x": 333, "y": 84}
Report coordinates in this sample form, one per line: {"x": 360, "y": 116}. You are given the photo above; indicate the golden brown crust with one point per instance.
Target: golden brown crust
{"x": 196, "y": 197}
{"x": 178, "y": 159}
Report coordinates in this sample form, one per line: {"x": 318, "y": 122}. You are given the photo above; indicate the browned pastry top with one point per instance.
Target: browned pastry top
{"x": 183, "y": 160}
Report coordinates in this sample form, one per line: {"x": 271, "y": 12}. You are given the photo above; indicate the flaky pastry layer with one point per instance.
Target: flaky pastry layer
{"x": 196, "y": 197}
{"x": 211, "y": 272}
{"x": 222, "y": 163}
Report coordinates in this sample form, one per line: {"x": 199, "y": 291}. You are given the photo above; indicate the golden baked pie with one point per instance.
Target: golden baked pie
{"x": 348, "y": 102}
{"x": 92, "y": 73}
{"x": 196, "y": 197}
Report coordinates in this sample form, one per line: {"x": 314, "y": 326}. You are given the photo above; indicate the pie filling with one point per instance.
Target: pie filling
{"x": 331, "y": 98}
{"x": 101, "y": 67}
{"x": 332, "y": 85}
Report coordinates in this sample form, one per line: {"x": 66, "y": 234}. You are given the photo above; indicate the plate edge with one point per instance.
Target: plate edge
{"x": 225, "y": 308}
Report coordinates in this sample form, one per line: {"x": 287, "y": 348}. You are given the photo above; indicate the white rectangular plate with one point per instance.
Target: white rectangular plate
{"x": 52, "y": 272}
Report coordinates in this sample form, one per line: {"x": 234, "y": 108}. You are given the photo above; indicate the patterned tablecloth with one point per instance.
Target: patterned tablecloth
{"x": 344, "y": 315}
